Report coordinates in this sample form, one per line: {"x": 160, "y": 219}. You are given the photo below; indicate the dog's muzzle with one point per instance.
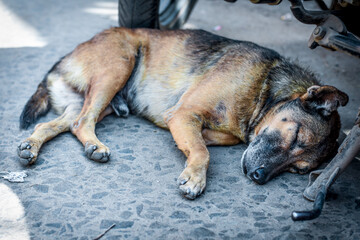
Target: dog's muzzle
{"x": 257, "y": 175}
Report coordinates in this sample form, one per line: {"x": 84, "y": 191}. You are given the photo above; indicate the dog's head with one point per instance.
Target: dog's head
{"x": 296, "y": 135}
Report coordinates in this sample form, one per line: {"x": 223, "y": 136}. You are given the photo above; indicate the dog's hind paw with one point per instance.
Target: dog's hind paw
{"x": 27, "y": 153}
{"x": 98, "y": 154}
{"x": 192, "y": 184}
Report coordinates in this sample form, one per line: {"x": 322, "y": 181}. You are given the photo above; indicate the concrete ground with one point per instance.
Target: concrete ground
{"x": 66, "y": 196}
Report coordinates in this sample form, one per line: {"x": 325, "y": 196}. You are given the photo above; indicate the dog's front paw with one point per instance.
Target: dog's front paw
{"x": 191, "y": 182}
{"x": 27, "y": 151}
{"x": 97, "y": 153}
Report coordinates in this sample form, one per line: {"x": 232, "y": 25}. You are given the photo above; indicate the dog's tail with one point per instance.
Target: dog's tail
{"x": 37, "y": 106}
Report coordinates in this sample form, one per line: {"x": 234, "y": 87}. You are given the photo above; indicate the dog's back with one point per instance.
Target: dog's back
{"x": 200, "y": 65}
{"x": 166, "y": 65}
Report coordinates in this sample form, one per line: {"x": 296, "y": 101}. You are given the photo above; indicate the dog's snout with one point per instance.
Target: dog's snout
{"x": 258, "y": 175}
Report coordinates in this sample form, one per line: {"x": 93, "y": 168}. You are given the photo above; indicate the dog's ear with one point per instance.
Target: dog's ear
{"x": 324, "y": 99}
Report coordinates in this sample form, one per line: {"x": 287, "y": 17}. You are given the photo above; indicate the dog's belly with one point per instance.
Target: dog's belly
{"x": 150, "y": 95}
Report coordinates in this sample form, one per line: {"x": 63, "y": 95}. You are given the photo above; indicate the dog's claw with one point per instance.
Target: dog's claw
{"x": 97, "y": 154}
{"x": 182, "y": 182}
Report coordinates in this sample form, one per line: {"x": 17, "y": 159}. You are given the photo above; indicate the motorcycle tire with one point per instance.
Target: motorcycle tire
{"x": 160, "y": 14}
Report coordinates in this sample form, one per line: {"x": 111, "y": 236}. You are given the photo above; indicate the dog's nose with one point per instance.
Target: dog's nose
{"x": 258, "y": 175}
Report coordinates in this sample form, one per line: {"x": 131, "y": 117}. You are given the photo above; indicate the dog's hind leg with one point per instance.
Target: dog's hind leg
{"x": 28, "y": 150}
{"x": 186, "y": 128}
{"x": 97, "y": 99}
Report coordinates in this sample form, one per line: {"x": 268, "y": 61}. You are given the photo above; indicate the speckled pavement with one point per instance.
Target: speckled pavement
{"x": 66, "y": 196}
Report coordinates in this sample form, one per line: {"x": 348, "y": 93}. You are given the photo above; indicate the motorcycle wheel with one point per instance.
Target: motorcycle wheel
{"x": 163, "y": 14}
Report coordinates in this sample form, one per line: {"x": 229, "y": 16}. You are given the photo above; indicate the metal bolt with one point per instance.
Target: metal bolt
{"x": 317, "y": 30}
{"x": 319, "y": 33}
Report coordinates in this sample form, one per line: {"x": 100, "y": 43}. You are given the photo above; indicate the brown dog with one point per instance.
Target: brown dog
{"x": 206, "y": 89}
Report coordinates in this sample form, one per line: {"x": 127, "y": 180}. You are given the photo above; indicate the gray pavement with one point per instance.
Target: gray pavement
{"x": 66, "y": 196}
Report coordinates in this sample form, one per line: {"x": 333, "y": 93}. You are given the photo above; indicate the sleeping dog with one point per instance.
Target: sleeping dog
{"x": 205, "y": 89}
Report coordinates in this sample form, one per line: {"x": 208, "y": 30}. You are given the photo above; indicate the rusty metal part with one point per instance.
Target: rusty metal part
{"x": 330, "y": 32}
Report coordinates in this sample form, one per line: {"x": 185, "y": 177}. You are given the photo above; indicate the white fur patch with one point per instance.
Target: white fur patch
{"x": 62, "y": 95}
{"x": 74, "y": 75}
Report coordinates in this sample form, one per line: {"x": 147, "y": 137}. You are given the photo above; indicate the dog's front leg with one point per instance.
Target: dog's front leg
{"x": 186, "y": 128}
